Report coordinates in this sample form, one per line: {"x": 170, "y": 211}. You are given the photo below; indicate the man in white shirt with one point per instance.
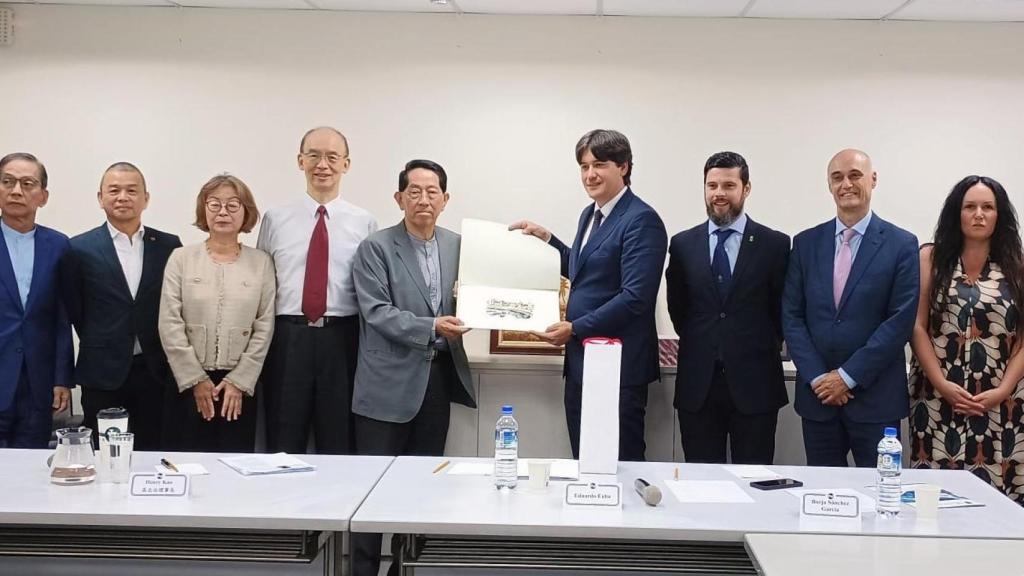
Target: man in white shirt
{"x": 113, "y": 277}
{"x": 308, "y": 374}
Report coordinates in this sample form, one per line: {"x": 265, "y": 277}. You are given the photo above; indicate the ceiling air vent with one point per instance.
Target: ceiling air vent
{"x": 6, "y": 26}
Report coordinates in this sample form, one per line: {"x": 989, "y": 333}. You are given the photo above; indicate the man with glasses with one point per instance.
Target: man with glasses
{"x": 412, "y": 363}
{"x": 308, "y": 375}
{"x": 35, "y": 336}
{"x": 113, "y": 277}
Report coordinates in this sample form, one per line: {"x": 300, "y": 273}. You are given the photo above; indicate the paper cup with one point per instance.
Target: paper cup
{"x": 926, "y": 499}
{"x": 540, "y": 473}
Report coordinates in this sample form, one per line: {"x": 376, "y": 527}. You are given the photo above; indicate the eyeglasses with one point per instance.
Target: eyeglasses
{"x": 233, "y": 205}
{"x": 416, "y": 193}
{"x": 28, "y": 185}
{"x": 314, "y": 157}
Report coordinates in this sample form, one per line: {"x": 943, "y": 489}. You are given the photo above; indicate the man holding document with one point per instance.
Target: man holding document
{"x": 614, "y": 266}
{"x": 412, "y": 363}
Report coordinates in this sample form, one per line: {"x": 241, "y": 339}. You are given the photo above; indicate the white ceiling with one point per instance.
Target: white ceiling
{"x": 955, "y": 10}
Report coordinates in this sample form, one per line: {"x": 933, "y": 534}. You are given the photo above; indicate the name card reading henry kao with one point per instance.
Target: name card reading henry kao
{"x": 830, "y": 505}
{"x": 159, "y": 485}
{"x": 593, "y": 495}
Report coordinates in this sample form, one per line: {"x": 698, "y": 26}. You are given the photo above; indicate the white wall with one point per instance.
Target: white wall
{"x": 500, "y": 101}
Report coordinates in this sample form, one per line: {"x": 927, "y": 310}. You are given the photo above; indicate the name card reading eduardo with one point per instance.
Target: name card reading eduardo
{"x": 159, "y": 485}
{"x": 830, "y": 505}
{"x": 593, "y": 495}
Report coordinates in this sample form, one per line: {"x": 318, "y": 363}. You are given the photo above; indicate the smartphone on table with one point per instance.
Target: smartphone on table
{"x": 776, "y": 484}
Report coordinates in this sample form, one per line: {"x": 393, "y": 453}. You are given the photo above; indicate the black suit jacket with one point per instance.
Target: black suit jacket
{"x": 743, "y": 328}
{"x": 106, "y": 318}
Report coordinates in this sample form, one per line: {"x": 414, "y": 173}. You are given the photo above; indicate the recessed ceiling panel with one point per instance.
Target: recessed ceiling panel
{"x": 964, "y": 10}
{"x": 550, "y": 7}
{"x": 248, "y": 4}
{"x": 110, "y": 2}
{"x": 383, "y": 5}
{"x": 680, "y": 8}
{"x": 825, "y": 9}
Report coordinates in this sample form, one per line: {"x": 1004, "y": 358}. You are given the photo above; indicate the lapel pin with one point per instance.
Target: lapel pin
{"x": 750, "y": 238}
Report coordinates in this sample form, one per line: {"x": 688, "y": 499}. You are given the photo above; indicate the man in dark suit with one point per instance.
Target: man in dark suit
{"x": 614, "y": 267}
{"x": 847, "y": 313}
{"x": 724, "y": 290}
{"x": 113, "y": 276}
{"x": 412, "y": 363}
{"x": 35, "y": 336}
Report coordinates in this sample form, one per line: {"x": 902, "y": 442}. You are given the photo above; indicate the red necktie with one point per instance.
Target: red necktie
{"x": 314, "y": 289}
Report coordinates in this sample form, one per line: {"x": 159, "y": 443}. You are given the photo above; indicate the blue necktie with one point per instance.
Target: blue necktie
{"x": 598, "y": 218}
{"x": 720, "y": 263}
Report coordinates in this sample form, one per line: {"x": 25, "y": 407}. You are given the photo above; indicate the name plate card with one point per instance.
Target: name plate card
{"x": 593, "y": 495}
{"x": 159, "y": 485}
{"x": 829, "y": 505}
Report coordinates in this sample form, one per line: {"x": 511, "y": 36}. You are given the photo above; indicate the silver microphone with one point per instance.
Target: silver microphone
{"x": 651, "y": 495}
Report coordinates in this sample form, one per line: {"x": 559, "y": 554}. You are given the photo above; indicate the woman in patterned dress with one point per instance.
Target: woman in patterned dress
{"x": 965, "y": 382}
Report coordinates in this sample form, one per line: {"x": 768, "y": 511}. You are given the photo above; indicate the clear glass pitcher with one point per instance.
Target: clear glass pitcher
{"x": 73, "y": 462}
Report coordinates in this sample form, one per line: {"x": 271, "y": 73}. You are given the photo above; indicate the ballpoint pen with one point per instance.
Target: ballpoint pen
{"x": 167, "y": 464}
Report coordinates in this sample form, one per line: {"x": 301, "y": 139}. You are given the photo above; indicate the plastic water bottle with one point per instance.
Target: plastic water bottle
{"x": 506, "y": 450}
{"x": 890, "y": 457}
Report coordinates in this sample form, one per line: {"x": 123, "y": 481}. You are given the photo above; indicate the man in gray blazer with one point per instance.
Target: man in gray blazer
{"x": 412, "y": 363}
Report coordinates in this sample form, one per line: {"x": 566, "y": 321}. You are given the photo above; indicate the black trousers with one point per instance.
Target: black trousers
{"x": 143, "y": 394}
{"x": 217, "y": 435}
{"x": 829, "y": 443}
{"x": 632, "y": 409}
{"x": 424, "y": 435}
{"x": 751, "y": 437}
{"x": 307, "y": 384}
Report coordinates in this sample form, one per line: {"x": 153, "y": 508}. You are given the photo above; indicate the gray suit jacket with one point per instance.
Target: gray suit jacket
{"x": 395, "y": 325}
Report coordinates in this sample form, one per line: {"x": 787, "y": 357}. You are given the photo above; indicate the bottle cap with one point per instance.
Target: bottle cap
{"x": 890, "y": 431}
{"x": 506, "y": 409}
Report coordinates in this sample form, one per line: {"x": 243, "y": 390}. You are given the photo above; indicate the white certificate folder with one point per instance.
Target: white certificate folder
{"x": 507, "y": 280}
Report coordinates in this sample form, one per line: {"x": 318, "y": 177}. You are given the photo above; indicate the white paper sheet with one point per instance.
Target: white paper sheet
{"x": 186, "y": 468}
{"x": 867, "y": 503}
{"x": 749, "y": 471}
{"x": 708, "y": 492}
{"x": 472, "y": 469}
{"x": 507, "y": 280}
{"x": 259, "y": 464}
{"x": 560, "y": 469}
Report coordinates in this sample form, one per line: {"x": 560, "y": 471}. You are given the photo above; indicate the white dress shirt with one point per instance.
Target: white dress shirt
{"x": 129, "y": 254}
{"x": 285, "y": 235}
{"x": 606, "y": 210}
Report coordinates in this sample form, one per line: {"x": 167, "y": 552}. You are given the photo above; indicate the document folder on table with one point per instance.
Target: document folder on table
{"x": 260, "y": 464}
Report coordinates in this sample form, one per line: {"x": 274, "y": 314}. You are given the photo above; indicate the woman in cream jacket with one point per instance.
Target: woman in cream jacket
{"x": 216, "y": 321}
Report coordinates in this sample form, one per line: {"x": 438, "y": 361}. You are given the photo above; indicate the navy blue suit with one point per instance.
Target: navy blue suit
{"x": 108, "y": 320}
{"x": 729, "y": 381}
{"x": 35, "y": 344}
{"x": 865, "y": 337}
{"x": 614, "y": 283}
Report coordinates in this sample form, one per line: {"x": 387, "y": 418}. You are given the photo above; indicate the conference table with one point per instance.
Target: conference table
{"x": 460, "y": 524}
{"x": 292, "y": 523}
{"x": 815, "y": 554}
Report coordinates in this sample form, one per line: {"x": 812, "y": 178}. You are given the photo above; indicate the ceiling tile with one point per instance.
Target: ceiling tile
{"x": 682, "y": 8}
{"x": 962, "y": 10}
{"x": 110, "y": 2}
{"x": 248, "y": 4}
{"x": 553, "y": 7}
{"x": 829, "y": 9}
{"x": 383, "y": 5}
